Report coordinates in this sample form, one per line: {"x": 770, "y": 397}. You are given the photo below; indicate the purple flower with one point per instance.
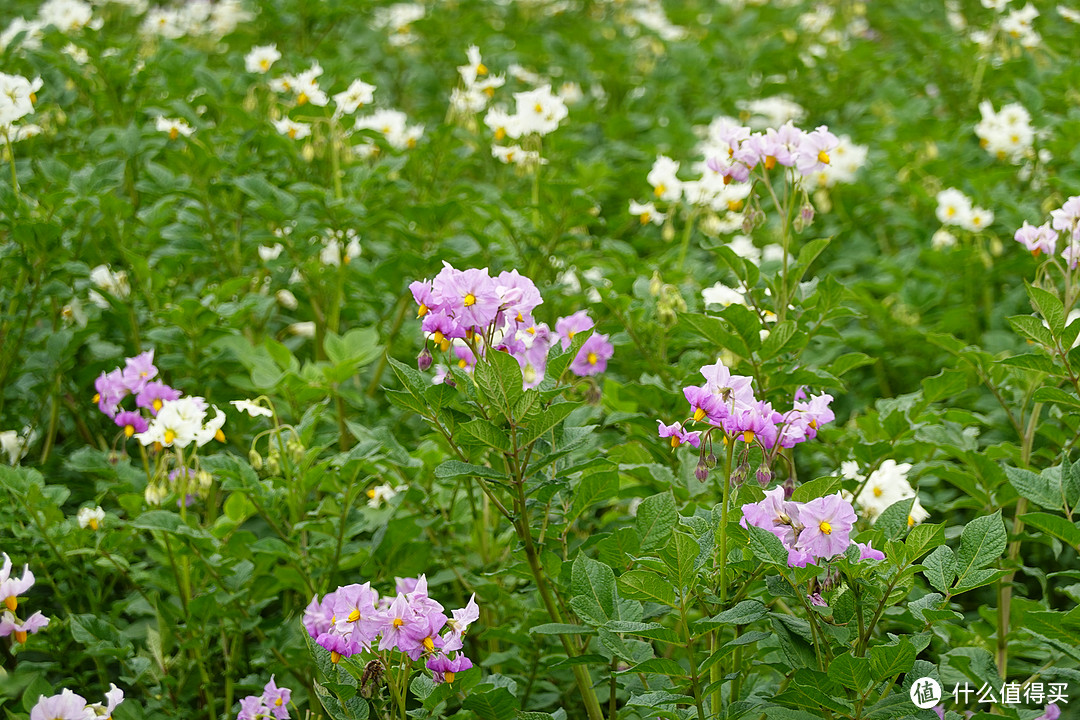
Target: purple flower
{"x": 517, "y": 294}
{"x": 567, "y": 327}
{"x": 65, "y": 706}
{"x": 466, "y": 360}
{"x": 867, "y": 552}
{"x": 251, "y": 708}
{"x": 817, "y": 412}
{"x": 814, "y": 149}
{"x": 399, "y": 620}
{"x": 132, "y": 422}
{"x": 755, "y": 421}
{"x": 729, "y": 388}
{"x": 422, "y": 637}
{"x": 154, "y": 394}
{"x": 138, "y": 371}
{"x": 10, "y": 625}
{"x": 444, "y": 669}
{"x": 356, "y": 615}
{"x": 421, "y": 292}
{"x": 705, "y": 405}
{"x": 678, "y": 435}
{"x": 798, "y": 558}
{"x": 1040, "y": 239}
{"x": 276, "y": 699}
{"x": 12, "y": 587}
{"x": 459, "y": 625}
{"x": 593, "y": 356}
{"x": 338, "y": 645}
{"x": 468, "y": 295}
{"x": 827, "y": 523}
{"x": 404, "y": 586}
{"x": 775, "y": 514}
{"x": 443, "y": 328}
{"x": 816, "y": 599}
{"x": 110, "y": 391}
{"x": 318, "y": 616}
{"x": 1051, "y": 712}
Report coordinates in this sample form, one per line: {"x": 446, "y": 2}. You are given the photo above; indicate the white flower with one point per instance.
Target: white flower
{"x": 888, "y": 484}
{"x": 251, "y": 408}
{"x": 474, "y": 69}
{"x": 31, "y": 39}
{"x": 942, "y": 240}
{"x": 850, "y": 469}
{"x": 771, "y": 112}
{"x": 175, "y": 127}
{"x": 517, "y": 155}
{"x": 294, "y": 130}
{"x": 647, "y": 213}
{"x": 978, "y": 219}
{"x": 14, "y": 444}
{"x": 721, "y": 294}
{"x": 91, "y": 517}
{"x": 76, "y": 53}
{"x": 666, "y": 184}
{"x": 503, "y": 124}
{"x": 392, "y": 125}
{"x": 182, "y": 422}
{"x": 358, "y": 94}
{"x": 67, "y": 16}
{"x": 380, "y": 494}
{"x": 261, "y": 58}
{"x": 114, "y": 283}
{"x": 539, "y": 111}
{"x": 17, "y": 95}
{"x": 303, "y": 329}
{"x": 286, "y": 299}
{"x": 270, "y": 252}
{"x": 1067, "y": 13}
{"x": 953, "y": 207}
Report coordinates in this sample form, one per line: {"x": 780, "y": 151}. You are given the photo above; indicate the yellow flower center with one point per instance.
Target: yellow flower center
{"x": 910, "y": 521}
{"x": 538, "y": 108}
{"x": 335, "y": 657}
{"x": 264, "y": 64}
{"x": 699, "y": 415}
{"x": 674, "y": 441}
{"x": 660, "y": 189}
{"x": 878, "y": 492}
{"x": 301, "y": 98}
{"x": 169, "y": 437}
{"x": 735, "y": 205}
{"x": 278, "y": 702}
{"x": 500, "y": 133}
{"x": 173, "y": 133}
{"x": 813, "y": 424}
{"x": 592, "y": 358}
{"x": 93, "y": 524}
{"x": 462, "y": 364}
{"x": 11, "y": 602}
{"x": 823, "y": 157}
{"x": 645, "y": 217}
{"x": 438, "y": 337}
{"x": 448, "y": 676}
{"x": 489, "y": 91}
{"x": 354, "y": 616}
{"x": 445, "y": 344}
{"x": 97, "y": 397}
{"x": 470, "y": 300}
{"x": 770, "y": 162}
{"x": 129, "y": 430}
{"x": 429, "y": 644}
{"x": 398, "y": 622}
{"x": 157, "y": 405}
{"x": 20, "y": 636}
{"x": 219, "y": 436}
{"x": 570, "y": 334}
{"x": 292, "y": 133}
{"x": 481, "y": 69}
{"x": 748, "y": 436}
{"x": 825, "y": 527}
{"x": 422, "y": 311}
{"x": 371, "y": 493}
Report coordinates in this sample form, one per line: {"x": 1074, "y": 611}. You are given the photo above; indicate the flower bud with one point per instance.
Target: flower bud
{"x": 655, "y": 284}
{"x": 789, "y": 487}
{"x": 205, "y": 479}
{"x": 255, "y": 459}
{"x": 764, "y": 476}
{"x": 701, "y": 472}
{"x": 710, "y": 460}
{"x": 273, "y": 463}
{"x": 423, "y": 360}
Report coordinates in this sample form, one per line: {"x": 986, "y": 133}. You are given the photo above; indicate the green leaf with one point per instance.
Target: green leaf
{"x": 455, "y": 469}
{"x": 819, "y": 487}
{"x": 893, "y": 520}
{"x": 656, "y": 519}
{"x": 539, "y": 423}
{"x": 561, "y": 629}
{"x": 923, "y": 538}
{"x": 646, "y": 585}
{"x": 939, "y": 567}
{"x": 767, "y": 547}
{"x": 716, "y": 331}
{"x": 851, "y": 672}
{"x": 744, "y": 613}
{"x": 486, "y": 433}
{"x": 848, "y": 362}
{"x": 355, "y": 349}
{"x": 1043, "y": 490}
{"x": 779, "y": 337}
{"x": 679, "y": 555}
{"x": 945, "y": 384}
{"x": 593, "y": 489}
{"x": 1054, "y": 525}
{"x": 1032, "y": 328}
{"x": 497, "y": 704}
{"x": 593, "y": 587}
{"x": 1056, "y": 395}
{"x": 1048, "y": 305}
{"x": 981, "y": 543}
{"x": 887, "y": 661}
{"x": 499, "y": 376}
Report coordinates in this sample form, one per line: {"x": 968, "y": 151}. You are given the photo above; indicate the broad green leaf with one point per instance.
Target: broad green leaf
{"x": 981, "y": 543}
{"x": 1049, "y": 306}
{"x": 767, "y": 547}
{"x": 851, "y": 672}
{"x": 887, "y": 661}
{"x": 539, "y": 423}
{"x": 486, "y": 433}
{"x": 594, "y": 488}
{"x": 646, "y": 585}
{"x": 497, "y": 704}
{"x": 939, "y": 567}
{"x": 818, "y": 487}
{"x": 923, "y": 538}
{"x": 656, "y": 519}
{"x": 1055, "y": 525}
{"x": 593, "y": 587}
{"x": 1043, "y": 490}
{"x": 679, "y": 555}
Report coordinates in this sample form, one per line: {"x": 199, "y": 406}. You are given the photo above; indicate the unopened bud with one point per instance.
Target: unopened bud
{"x": 752, "y": 219}
{"x": 701, "y": 472}
{"x": 423, "y": 360}
{"x": 764, "y": 476}
{"x": 255, "y": 459}
{"x": 205, "y": 479}
{"x": 710, "y": 460}
{"x": 738, "y": 475}
{"x": 789, "y": 487}
{"x": 273, "y": 463}
{"x": 655, "y": 284}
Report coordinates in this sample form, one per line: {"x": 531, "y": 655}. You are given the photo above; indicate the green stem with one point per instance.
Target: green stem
{"x": 687, "y": 233}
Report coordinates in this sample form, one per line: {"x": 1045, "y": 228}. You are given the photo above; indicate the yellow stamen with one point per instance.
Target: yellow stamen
{"x": 748, "y": 436}
{"x": 674, "y": 441}
{"x": 538, "y": 108}
{"x": 173, "y": 133}
{"x": 500, "y": 133}
{"x": 20, "y": 636}
{"x": 278, "y": 702}
{"x": 335, "y": 657}
{"x": 660, "y": 189}
{"x": 371, "y": 493}
{"x": 157, "y": 405}
{"x": 699, "y": 415}
{"x": 770, "y": 162}
{"x": 398, "y": 622}
{"x": 570, "y": 334}
{"x": 813, "y": 424}
{"x": 910, "y": 521}
{"x": 411, "y": 143}
{"x": 481, "y": 69}
{"x": 219, "y": 436}
{"x": 823, "y": 157}
{"x": 129, "y": 430}
{"x": 422, "y": 311}
{"x": 531, "y": 331}
{"x": 444, "y": 345}
{"x": 825, "y": 527}
{"x": 169, "y": 437}
{"x": 448, "y": 677}
{"x": 33, "y": 101}
{"x": 470, "y": 300}
{"x": 878, "y": 492}
{"x": 264, "y": 64}
{"x": 354, "y": 616}
{"x": 11, "y": 602}
{"x": 592, "y": 358}
{"x": 438, "y": 337}
{"x": 302, "y": 98}
{"x": 735, "y": 205}
{"x": 644, "y": 217}
{"x": 292, "y": 133}
{"x": 97, "y": 397}
{"x": 489, "y": 91}
{"x": 429, "y": 644}
{"x": 93, "y": 524}
{"x": 462, "y": 364}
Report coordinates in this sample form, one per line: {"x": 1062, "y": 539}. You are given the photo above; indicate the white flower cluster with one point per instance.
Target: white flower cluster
{"x": 1006, "y": 134}
{"x": 397, "y": 20}
{"x": 114, "y": 283}
{"x": 197, "y": 18}
{"x": 888, "y": 484}
{"x": 393, "y": 126}
{"x": 182, "y": 422}
{"x": 650, "y": 15}
{"x": 477, "y": 86}
{"x": 17, "y": 97}
{"x": 332, "y": 244}
{"x": 1018, "y": 24}
{"x": 16, "y": 444}
{"x": 955, "y": 209}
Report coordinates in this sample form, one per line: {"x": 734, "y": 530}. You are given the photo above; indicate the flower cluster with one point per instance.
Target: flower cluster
{"x": 807, "y": 152}
{"x": 11, "y": 587}
{"x": 1006, "y": 134}
{"x": 886, "y": 485}
{"x": 477, "y": 85}
{"x": 955, "y": 209}
{"x": 17, "y": 97}
{"x": 273, "y": 703}
{"x": 197, "y": 19}
{"x": 175, "y": 420}
{"x": 355, "y": 619}
{"x": 816, "y": 530}
{"x": 1064, "y": 223}
{"x": 468, "y": 311}
{"x": 727, "y": 402}
{"x": 71, "y": 706}
{"x": 114, "y": 282}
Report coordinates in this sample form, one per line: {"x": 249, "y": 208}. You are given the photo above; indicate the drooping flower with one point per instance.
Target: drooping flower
{"x": 252, "y": 408}
{"x": 132, "y": 422}
{"x": 444, "y": 669}
{"x": 154, "y": 395}
{"x": 12, "y": 587}
{"x": 678, "y": 435}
